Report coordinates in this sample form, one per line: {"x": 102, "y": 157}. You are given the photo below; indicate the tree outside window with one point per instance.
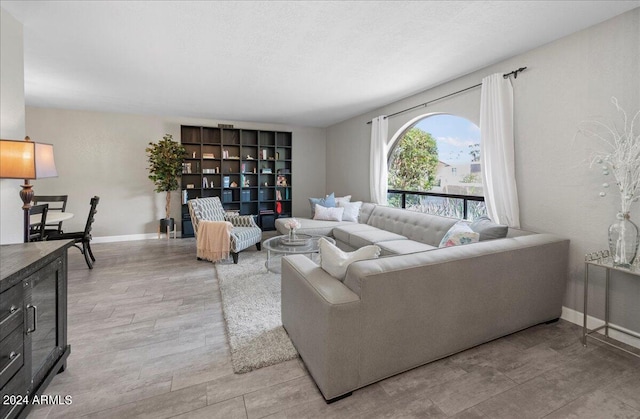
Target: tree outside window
{"x": 440, "y": 154}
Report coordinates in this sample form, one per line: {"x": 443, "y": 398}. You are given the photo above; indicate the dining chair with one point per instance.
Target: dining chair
{"x": 83, "y": 237}
{"x": 37, "y": 228}
{"x": 56, "y": 203}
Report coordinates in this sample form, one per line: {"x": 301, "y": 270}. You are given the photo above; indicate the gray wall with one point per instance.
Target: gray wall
{"x": 104, "y": 154}
{"x": 566, "y": 82}
{"x": 12, "y": 121}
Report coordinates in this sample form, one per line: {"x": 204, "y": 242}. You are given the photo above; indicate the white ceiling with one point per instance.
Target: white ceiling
{"x": 311, "y": 63}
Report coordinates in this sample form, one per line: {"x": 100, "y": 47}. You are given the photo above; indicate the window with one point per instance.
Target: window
{"x": 434, "y": 167}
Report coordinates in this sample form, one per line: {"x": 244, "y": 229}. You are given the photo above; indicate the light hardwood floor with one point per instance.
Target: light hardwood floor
{"x": 148, "y": 340}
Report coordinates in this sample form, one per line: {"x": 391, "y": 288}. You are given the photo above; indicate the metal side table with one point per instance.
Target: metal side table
{"x": 603, "y": 260}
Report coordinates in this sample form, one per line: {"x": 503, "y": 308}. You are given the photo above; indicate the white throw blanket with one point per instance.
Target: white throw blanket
{"x": 214, "y": 240}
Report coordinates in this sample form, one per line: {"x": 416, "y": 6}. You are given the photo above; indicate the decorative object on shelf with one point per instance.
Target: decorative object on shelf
{"x": 282, "y": 181}
{"x": 267, "y": 171}
{"x": 264, "y": 154}
{"x": 226, "y": 181}
{"x": 26, "y": 160}
{"x": 233, "y": 185}
{"x": 165, "y": 168}
{"x": 208, "y": 155}
{"x": 225, "y": 154}
{"x": 190, "y": 186}
{"x": 621, "y": 159}
{"x": 247, "y": 183}
{"x": 193, "y": 155}
{"x": 205, "y": 182}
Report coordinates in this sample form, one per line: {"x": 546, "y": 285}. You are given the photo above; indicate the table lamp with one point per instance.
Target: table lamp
{"x": 26, "y": 160}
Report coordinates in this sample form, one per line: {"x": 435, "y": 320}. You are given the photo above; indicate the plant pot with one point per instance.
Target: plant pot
{"x": 166, "y": 222}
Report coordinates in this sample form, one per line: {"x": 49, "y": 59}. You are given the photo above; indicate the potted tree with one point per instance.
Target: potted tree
{"x": 165, "y": 168}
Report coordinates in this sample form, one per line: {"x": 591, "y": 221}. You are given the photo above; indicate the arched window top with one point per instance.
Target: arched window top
{"x": 437, "y": 154}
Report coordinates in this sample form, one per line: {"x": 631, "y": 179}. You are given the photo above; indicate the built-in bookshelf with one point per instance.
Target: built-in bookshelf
{"x": 249, "y": 170}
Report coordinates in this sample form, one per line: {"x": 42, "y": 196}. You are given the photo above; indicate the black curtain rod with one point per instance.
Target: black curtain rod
{"x": 424, "y": 105}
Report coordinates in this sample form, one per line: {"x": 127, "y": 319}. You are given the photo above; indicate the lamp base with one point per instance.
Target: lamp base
{"x": 26, "y": 194}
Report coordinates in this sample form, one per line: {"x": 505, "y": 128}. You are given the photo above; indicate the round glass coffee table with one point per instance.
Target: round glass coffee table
{"x": 279, "y": 246}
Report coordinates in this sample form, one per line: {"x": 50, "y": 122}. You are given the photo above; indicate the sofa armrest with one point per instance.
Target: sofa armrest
{"x": 241, "y": 220}
{"x": 322, "y": 315}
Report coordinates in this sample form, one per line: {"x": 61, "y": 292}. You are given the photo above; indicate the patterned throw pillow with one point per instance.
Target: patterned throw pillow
{"x": 335, "y": 261}
{"x": 328, "y": 214}
{"x": 460, "y": 233}
{"x": 328, "y": 201}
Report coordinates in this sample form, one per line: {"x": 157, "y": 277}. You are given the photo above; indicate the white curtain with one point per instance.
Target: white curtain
{"x": 497, "y": 150}
{"x": 378, "y": 172}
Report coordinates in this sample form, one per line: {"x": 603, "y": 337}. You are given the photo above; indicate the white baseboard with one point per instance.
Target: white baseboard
{"x": 129, "y": 237}
{"x": 577, "y": 317}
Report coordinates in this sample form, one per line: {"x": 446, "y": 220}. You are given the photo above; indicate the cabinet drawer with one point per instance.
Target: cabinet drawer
{"x": 11, "y": 313}
{"x": 11, "y": 356}
{"x": 15, "y": 387}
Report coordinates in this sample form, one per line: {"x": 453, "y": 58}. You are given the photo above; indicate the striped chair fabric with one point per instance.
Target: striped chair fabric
{"x": 245, "y": 232}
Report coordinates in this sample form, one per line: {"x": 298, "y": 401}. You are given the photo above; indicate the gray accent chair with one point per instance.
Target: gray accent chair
{"x": 245, "y": 232}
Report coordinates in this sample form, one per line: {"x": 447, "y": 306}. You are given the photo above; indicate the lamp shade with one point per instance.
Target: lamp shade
{"x": 26, "y": 160}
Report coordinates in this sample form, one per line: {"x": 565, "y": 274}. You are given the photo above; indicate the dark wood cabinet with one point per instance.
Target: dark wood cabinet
{"x": 249, "y": 170}
{"x": 33, "y": 322}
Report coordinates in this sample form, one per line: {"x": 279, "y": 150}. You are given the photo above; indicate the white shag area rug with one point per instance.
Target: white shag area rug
{"x": 251, "y": 307}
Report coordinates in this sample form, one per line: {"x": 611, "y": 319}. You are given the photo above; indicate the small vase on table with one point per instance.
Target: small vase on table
{"x": 623, "y": 241}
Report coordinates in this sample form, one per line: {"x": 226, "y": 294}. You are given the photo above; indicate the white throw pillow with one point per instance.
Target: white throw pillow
{"x": 351, "y": 210}
{"x": 339, "y": 199}
{"x": 459, "y": 233}
{"x": 328, "y": 214}
{"x": 335, "y": 261}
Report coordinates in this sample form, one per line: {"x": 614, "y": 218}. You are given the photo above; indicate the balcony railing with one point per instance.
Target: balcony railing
{"x": 467, "y": 207}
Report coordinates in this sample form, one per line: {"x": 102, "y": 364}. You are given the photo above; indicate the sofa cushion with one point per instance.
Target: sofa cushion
{"x": 418, "y": 226}
{"x": 328, "y": 213}
{"x": 335, "y": 261}
{"x": 365, "y": 212}
{"x": 459, "y": 234}
{"x": 327, "y": 201}
{"x": 359, "y": 239}
{"x": 312, "y": 227}
{"x": 343, "y": 231}
{"x": 351, "y": 210}
{"x": 489, "y": 230}
{"x": 403, "y": 247}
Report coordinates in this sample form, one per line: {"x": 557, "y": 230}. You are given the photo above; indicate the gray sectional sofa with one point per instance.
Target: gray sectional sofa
{"x": 417, "y": 303}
